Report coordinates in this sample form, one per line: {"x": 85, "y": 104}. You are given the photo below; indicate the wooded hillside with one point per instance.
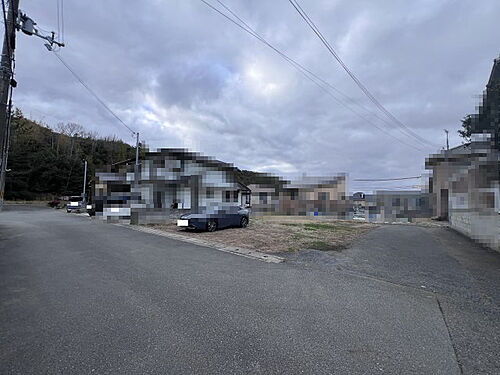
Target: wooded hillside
{"x": 44, "y": 162}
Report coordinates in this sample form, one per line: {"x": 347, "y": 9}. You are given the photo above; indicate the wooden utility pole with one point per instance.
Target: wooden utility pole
{"x": 6, "y": 83}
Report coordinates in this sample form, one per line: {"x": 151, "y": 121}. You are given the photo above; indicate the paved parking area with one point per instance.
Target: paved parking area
{"x": 464, "y": 277}
{"x": 78, "y": 296}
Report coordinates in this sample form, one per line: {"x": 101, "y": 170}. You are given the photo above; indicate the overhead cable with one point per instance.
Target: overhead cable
{"x": 363, "y": 88}
{"x": 92, "y": 92}
{"x": 321, "y": 83}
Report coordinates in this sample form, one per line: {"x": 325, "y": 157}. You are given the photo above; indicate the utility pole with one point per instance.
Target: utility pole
{"x": 15, "y": 19}
{"x": 137, "y": 149}
{"x": 134, "y": 216}
{"x": 6, "y": 82}
{"x": 447, "y": 144}
{"x": 84, "y": 181}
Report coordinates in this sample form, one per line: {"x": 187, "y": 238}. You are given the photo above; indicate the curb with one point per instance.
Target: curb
{"x": 247, "y": 253}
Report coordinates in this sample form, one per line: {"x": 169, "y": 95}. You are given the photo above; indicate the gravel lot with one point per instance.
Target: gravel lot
{"x": 275, "y": 234}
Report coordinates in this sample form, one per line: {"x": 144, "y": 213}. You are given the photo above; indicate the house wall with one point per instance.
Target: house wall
{"x": 264, "y": 199}
{"x": 477, "y": 212}
{"x": 484, "y": 229}
{"x": 313, "y": 201}
{"x": 397, "y": 206}
{"x": 164, "y": 187}
{"x": 474, "y": 196}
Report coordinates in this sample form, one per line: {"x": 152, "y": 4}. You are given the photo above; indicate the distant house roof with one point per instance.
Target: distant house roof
{"x": 457, "y": 150}
{"x": 397, "y": 193}
{"x": 456, "y": 154}
{"x": 313, "y": 182}
{"x": 453, "y": 154}
{"x": 179, "y": 154}
{"x": 182, "y": 154}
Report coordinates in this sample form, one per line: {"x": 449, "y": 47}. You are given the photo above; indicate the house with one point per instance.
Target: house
{"x": 166, "y": 184}
{"x": 315, "y": 196}
{"x": 466, "y": 189}
{"x": 465, "y": 184}
{"x": 265, "y": 198}
{"x": 397, "y": 206}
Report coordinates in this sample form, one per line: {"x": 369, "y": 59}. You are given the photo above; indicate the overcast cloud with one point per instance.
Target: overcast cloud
{"x": 183, "y": 76}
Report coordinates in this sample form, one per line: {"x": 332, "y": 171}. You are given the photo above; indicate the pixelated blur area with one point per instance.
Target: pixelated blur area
{"x": 466, "y": 190}
{"x": 171, "y": 182}
{"x": 165, "y": 185}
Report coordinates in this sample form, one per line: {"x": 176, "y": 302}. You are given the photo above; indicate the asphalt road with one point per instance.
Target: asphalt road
{"x": 463, "y": 276}
{"x": 79, "y": 296}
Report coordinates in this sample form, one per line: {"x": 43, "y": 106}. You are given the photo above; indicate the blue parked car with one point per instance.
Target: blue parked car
{"x": 215, "y": 218}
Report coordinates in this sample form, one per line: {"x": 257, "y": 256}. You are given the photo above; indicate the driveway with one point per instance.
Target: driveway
{"x": 78, "y": 296}
{"x": 464, "y": 277}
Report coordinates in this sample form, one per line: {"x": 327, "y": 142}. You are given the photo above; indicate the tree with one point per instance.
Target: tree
{"x": 466, "y": 130}
{"x": 39, "y": 168}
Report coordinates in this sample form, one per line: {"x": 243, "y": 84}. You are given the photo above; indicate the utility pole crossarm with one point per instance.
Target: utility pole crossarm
{"x": 27, "y": 26}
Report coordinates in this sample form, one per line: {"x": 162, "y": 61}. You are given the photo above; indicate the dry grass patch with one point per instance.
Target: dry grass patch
{"x": 274, "y": 234}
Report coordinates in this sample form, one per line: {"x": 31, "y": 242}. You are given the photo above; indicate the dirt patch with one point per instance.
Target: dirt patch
{"x": 274, "y": 234}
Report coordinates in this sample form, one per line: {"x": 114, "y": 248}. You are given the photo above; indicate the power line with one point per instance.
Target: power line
{"x": 92, "y": 92}
{"x": 321, "y": 83}
{"x": 387, "y": 179}
{"x": 363, "y": 88}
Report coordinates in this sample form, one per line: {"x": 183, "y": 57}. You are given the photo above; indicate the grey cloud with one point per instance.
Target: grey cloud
{"x": 204, "y": 82}
{"x": 185, "y": 83}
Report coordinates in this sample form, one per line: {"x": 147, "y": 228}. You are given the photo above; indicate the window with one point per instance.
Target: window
{"x": 263, "y": 197}
{"x": 209, "y": 193}
{"x": 119, "y": 188}
{"x": 324, "y": 196}
{"x": 227, "y": 196}
{"x": 420, "y": 202}
{"x": 235, "y": 196}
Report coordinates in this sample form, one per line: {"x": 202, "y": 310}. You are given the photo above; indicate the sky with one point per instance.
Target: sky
{"x": 184, "y": 76}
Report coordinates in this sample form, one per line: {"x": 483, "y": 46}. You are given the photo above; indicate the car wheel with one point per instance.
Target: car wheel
{"x": 244, "y": 222}
{"x": 212, "y": 226}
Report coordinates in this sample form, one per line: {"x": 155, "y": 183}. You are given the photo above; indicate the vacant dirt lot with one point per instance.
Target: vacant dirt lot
{"x": 274, "y": 234}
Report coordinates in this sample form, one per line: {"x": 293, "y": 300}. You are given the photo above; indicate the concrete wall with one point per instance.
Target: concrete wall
{"x": 484, "y": 229}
